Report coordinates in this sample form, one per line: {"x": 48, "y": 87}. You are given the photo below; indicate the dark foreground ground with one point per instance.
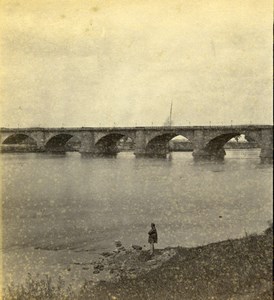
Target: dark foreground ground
{"x": 232, "y": 269}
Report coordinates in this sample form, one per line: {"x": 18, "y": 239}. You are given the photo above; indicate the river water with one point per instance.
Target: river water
{"x": 59, "y": 211}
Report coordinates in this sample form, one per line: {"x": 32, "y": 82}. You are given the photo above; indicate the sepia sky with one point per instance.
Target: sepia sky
{"x": 104, "y": 63}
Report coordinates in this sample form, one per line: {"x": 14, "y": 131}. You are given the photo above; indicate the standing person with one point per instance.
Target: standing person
{"x": 152, "y": 237}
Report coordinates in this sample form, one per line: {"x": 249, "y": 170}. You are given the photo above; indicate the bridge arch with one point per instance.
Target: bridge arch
{"x": 19, "y": 138}
{"x": 57, "y": 143}
{"x": 159, "y": 144}
{"x": 19, "y": 142}
{"x": 108, "y": 143}
{"x": 214, "y": 147}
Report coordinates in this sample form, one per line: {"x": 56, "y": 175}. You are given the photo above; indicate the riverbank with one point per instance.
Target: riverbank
{"x": 232, "y": 269}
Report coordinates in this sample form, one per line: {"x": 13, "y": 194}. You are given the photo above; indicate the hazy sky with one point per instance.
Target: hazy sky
{"x": 91, "y": 63}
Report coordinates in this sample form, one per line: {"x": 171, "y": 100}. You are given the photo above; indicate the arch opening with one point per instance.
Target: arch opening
{"x": 242, "y": 141}
{"x": 73, "y": 144}
{"x": 215, "y": 148}
{"x": 125, "y": 144}
{"x": 111, "y": 144}
{"x": 180, "y": 143}
{"x": 163, "y": 144}
{"x": 58, "y": 143}
{"x": 19, "y": 143}
{"x": 216, "y": 145}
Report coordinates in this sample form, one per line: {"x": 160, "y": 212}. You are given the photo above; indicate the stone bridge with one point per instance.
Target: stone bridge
{"x": 208, "y": 141}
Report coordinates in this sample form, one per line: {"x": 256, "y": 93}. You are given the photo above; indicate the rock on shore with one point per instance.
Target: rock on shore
{"x": 129, "y": 263}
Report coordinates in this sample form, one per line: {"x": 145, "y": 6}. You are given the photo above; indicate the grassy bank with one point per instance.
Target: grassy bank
{"x": 232, "y": 269}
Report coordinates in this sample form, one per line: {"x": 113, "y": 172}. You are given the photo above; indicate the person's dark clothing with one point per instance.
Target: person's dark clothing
{"x": 152, "y": 236}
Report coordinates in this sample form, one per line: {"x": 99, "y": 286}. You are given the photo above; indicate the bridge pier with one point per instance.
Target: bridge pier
{"x": 142, "y": 150}
{"x": 90, "y": 149}
{"x": 266, "y": 154}
{"x": 140, "y": 144}
{"x": 40, "y": 138}
{"x": 87, "y": 144}
{"x": 201, "y": 150}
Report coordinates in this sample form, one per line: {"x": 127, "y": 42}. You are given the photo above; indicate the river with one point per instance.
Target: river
{"x": 59, "y": 211}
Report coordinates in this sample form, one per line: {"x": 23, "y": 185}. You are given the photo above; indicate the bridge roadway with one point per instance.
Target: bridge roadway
{"x": 208, "y": 141}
